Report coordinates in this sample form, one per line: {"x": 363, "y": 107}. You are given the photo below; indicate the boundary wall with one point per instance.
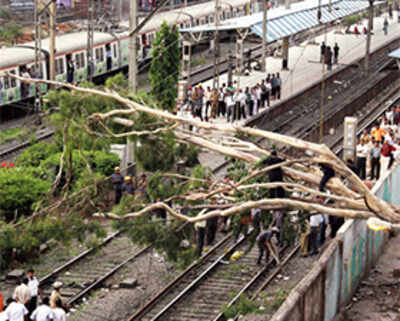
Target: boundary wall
{"x": 334, "y": 278}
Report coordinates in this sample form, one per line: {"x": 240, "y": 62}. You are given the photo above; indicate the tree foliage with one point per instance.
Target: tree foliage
{"x": 19, "y": 190}
{"x": 10, "y": 32}
{"x": 164, "y": 69}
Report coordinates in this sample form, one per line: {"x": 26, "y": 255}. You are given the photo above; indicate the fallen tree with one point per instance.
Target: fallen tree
{"x": 352, "y": 198}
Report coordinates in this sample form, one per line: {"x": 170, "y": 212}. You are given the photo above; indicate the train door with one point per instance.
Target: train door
{"x": 61, "y": 69}
{"x": 99, "y": 55}
{"x": 80, "y": 66}
{"x": 10, "y": 88}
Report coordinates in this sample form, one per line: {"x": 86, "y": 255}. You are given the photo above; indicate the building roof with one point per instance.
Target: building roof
{"x": 282, "y": 22}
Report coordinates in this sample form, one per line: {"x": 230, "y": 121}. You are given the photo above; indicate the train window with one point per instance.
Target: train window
{"x": 228, "y": 15}
{"x": 115, "y": 48}
{"x": 181, "y": 26}
{"x": 80, "y": 60}
{"x": 13, "y": 81}
{"x": 206, "y": 20}
{"x": 151, "y": 38}
{"x": 211, "y": 19}
{"x": 33, "y": 71}
{"x": 99, "y": 54}
{"x": 197, "y": 22}
{"x": 59, "y": 66}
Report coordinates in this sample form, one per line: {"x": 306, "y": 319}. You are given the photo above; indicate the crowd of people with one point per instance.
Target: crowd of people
{"x": 379, "y": 147}
{"x": 23, "y": 305}
{"x": 231, "y": 102}
{"x": 329, "y": 55}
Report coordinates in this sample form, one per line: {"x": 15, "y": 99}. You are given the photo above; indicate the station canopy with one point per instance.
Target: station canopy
{"x": 282, "y": 22}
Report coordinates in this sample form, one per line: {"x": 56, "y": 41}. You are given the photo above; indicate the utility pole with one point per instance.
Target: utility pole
{"x": 132, "y": 47}
{"x": 52, "y": 45}
{"x": 368, "y": 43}
{"x": 38, "y": 57}
{"x": 216, "y": 47}
{"x": 90, "y": 35}
{"x": 264, "y": 37}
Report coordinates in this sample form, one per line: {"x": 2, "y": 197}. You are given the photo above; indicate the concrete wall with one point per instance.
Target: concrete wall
{"x": 334, "y": 278}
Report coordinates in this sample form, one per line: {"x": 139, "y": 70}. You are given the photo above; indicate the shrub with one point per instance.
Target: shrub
{"x": 19, "y": 190}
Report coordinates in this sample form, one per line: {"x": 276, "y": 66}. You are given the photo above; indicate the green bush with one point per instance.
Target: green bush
{"x": 19, "y": 190}
{"x": 33, "y": 155}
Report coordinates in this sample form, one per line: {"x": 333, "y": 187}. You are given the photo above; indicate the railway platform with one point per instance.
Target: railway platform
{"x": 305, "y": 68}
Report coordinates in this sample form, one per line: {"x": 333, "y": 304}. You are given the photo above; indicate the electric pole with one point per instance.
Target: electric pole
{"x": 368, "y": 43}
{"x": 90, "y": 35}
{"x": 216, "y": 47}
{"x": 132, "y": 47}
{"x": 264, "y": 37}
{"x": 52, "y": 45}
{"x": 38, "y": 57}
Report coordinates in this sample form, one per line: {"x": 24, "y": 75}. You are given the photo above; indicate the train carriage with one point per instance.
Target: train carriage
{"x": 110, "y": 52}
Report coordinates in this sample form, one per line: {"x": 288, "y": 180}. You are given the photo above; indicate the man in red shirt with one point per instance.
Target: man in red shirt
{"x": 387, "y": 156}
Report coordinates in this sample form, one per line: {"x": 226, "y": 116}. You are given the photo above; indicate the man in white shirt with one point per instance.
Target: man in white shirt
{"x": 59, "y": 313}
{"x": 315, "y": 222}
{"x": 43, "y": 312}
{"x": 362, "y": 152}
{"x": 33, "y": 285}
{"x": 22, "y": 292}
{"x": 16, "y": 311}
{"x": 230, "y": 104}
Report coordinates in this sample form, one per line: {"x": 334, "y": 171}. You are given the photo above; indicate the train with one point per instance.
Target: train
{"x": 110, "y": 50}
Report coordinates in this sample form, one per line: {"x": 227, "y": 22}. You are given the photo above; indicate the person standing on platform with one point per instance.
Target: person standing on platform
{"x": 375, "y": 160}
{"x": 328, "y": 58}
{"x": 253, "y": 94}
{"x": 230, "y": 103}
{"x": 207, "y": 98}
{"x": 249, "y": 102}
{"x": 278, "y": 86}
{"x": 268, "y": 91}
{"x": 385, "y": 26}
{"x": 117, "y": 181}
{"x": 33, "y": 285}
{"x": 214, "y": 103}
{"x": 335, "y": 53}
{"x": 322, "y": 57}
{"x": 362, "y": 152}
{"x": 273, "y": 87}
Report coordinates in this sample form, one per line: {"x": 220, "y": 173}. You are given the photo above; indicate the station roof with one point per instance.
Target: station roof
{"x": 282, "y": 22}
{"x": 395, "y": 54}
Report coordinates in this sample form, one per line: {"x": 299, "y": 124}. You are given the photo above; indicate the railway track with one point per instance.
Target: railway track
{"x": 12, "y": 152}
{"x": 87, "y": 271}
{"x": 204, "y": 288}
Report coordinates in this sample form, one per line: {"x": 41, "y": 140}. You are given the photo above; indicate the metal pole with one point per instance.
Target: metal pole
{"x": 38, "y": 57}
{"x": 368, "y": 43}
{"x": 52, "y": 45}
{"x": 132, "y": 47}
{"x": 90, "y": 34}
{"x": 216, "y": 47}
{"x": 264, "y": 37}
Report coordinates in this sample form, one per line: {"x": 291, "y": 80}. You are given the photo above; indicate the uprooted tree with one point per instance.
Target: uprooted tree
{"x": 351, "y": 197}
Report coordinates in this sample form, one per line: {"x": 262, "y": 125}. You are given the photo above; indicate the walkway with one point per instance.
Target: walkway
{"x": 304, "y": 66}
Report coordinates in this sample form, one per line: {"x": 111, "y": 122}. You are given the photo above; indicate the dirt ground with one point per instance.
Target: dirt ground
{"x": 378, "y": 297}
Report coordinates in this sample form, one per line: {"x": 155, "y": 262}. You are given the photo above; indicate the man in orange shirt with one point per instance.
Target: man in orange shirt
{"x": 378, "y": 133}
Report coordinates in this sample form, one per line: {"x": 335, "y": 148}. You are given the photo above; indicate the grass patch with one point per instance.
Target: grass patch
{"x": 244, "y": 305}
{"x": 198, "y": 61}
{"x": 11, "y": 134}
